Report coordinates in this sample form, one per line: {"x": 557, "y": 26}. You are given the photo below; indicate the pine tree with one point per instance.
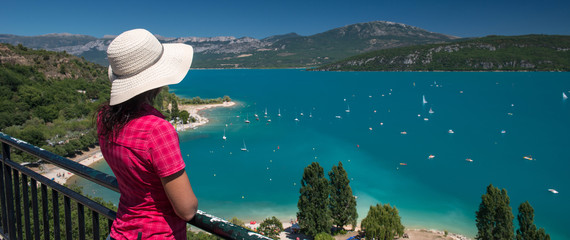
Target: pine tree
{"x": 342, "y": 202}
{"x": 314, "y": 214}
{"x": 495, "y": 217}
{"x": 527, "y": 229}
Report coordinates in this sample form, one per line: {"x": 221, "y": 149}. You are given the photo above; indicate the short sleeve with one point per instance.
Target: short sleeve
{"x": 164, "y": 149}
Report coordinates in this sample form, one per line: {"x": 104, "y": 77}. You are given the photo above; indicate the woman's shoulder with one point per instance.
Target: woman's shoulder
{"x": 152, "y": 123}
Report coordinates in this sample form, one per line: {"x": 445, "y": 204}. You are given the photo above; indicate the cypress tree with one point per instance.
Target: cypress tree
{"x": 314, "y": 214}
{"x": 527, "y": 229}
{"x": 342, "y": 202}
{"x": 495, "y": 217}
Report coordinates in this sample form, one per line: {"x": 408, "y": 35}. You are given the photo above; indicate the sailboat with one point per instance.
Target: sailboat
{"x": 431, "y": 111}
{"x": 424, "y": 99}
{"x": 564, "y": 96}
{"x": 347, "y": 108}
{"x": 247, "y": 119}
{"x": 279, "y": 112}
{"x": 244, "y": 148}
{"x": 265, "y": 112}
{"x": 224, "y": 137}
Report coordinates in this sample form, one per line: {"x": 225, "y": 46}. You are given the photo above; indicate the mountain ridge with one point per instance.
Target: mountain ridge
{"x": 285, "y": 50}
{"x": 492, "y": 53}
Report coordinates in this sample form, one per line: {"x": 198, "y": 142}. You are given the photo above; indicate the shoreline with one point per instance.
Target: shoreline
{"x": 194, "y": 112}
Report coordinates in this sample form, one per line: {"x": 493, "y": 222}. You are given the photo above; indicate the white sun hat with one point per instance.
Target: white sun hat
{"x": 138, "y": 62}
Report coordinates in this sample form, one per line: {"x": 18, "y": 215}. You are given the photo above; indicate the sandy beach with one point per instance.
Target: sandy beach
{"x": 194, "y": 110}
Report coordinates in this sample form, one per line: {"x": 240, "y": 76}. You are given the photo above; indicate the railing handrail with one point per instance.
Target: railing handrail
{"x": 86, "y": 172}
{"x": 207, "y": 222}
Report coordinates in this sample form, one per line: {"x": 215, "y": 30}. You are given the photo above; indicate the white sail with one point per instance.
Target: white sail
{"x": 244, "y": 148}
{"x": 564, "y": 96}
{"x": 424, "y": 99}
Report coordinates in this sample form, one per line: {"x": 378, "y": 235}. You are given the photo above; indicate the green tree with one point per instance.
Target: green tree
{"x": 495, "y": 218}
{"x": 184, "y": 115}
{"x": 323, "y": 236}
{"x": 174, "y": 111}
{"x": 314, "y": 213}
{"x": 237, "y": 221}
{"x": 382, "y": 222}
{"x": 271, "y": 227}
{"x": 527, "y": 229}
{"x": 342, "y": 202}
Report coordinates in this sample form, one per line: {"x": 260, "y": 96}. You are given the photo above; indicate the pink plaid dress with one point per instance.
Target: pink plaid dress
{"x": 144, "y": 151}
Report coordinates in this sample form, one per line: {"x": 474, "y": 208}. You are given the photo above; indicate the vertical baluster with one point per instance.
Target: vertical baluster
{"x": 45, "y": 212}
{"x": 18, "y": 200}
{"x": 109, "y": 224}
{"x": 55, "y": 204}
{"x": 10, "y": 201}
{"x": 5, "y": 155}
{"x": 67, "y": 210}
{"x": 26, "y": 206}
{"x": 95, "y": 219}
{"x": 35, "y": 210}
{"x": 81, "y": 221}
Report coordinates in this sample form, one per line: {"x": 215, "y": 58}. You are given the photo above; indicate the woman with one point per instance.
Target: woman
{"x": 140, "y": 146}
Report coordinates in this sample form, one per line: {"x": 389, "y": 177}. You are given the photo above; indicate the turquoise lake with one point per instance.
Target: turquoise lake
{"x": 441, "y": 192}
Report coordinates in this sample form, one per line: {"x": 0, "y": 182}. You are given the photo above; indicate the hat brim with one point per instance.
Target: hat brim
{"x": 171, "y": 68}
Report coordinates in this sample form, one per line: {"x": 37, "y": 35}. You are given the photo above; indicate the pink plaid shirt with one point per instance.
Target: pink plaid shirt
{"x": 144, "y": 151}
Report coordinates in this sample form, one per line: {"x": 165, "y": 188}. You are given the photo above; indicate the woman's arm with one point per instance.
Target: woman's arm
{"x": 179, "y": 192}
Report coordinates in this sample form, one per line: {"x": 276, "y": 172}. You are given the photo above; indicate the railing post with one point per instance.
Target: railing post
{"x": 18, "y": 199}
{"x": 2, "y": 190}
{"x": 8, "y": 194}
{"x": 26, "y": 196}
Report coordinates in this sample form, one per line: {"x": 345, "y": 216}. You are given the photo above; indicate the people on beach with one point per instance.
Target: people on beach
{"x": 140, "y": 146}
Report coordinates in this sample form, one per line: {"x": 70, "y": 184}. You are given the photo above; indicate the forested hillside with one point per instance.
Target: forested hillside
{"x": 492, "y": 53}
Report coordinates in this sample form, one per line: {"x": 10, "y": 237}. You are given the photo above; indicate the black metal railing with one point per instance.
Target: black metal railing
{"x": 18, "y": 182}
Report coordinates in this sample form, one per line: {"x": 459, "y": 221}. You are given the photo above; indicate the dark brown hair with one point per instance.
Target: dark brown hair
{"x": 111, "y": 119}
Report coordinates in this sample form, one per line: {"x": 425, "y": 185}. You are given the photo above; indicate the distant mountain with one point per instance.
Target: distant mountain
{"x": 287, "y": 50}
{"x": 492, "y": 53}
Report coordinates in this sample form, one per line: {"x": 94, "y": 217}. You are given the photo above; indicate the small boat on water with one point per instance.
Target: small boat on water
{"x": 296, "y": 119}
{"x": 403, "y": 164}
{"x": 244, "y": 148}
{"x": 431, "y": 111}
{"x": 503, "y": 131}
{"x": 347, "y": 108}
{"x": 450, "y": 131}
{"x": 224, "y": 137}
{"x": 337, "y": 116}
{"x": 426, "y": 119}
{"x": 469, "y": 159}
{"x": 529, "y": 157}
{"x": 431, "y": 156}
{"x": 247, "y": 120}
{"x": 553, "y": 191}
{"x": 279, "y": 112}
{"x": 564, "y": 96}
{"x": 424, "y": 101}
{"x": 403, "y": 132}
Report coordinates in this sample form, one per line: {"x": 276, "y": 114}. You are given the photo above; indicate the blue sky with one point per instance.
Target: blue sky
{"x": 261, "y": 19}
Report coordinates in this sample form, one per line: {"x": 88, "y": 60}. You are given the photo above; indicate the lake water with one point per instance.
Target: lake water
{"x": 441, "y": 192}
